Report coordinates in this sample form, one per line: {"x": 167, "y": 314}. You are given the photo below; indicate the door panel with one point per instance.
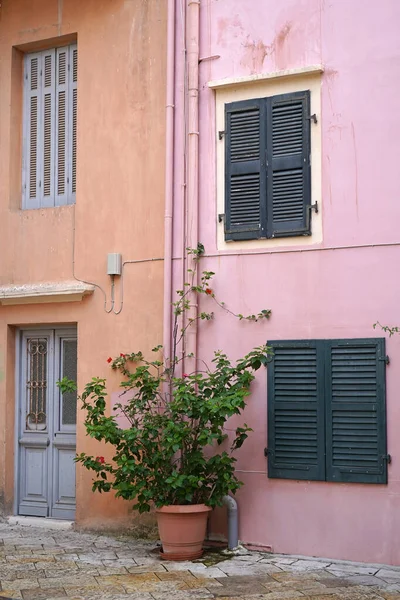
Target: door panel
{"x": 47, "y": 424}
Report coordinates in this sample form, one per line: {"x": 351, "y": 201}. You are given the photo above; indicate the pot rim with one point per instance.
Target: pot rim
{"x": 184, "y": 508}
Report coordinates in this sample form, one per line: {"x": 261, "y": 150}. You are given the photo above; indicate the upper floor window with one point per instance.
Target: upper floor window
{"x": 267, "y": 167}
{"x": 49, "y": 124}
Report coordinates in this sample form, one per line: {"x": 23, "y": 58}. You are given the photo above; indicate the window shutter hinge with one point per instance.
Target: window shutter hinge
{"x": 313, "y": 118}
{"x": 221, "y": 218}
{"x": 314, "y": 207}
{"x": 221, "y": 134}
{"x": 385, "y": 359}
{"x": 387, "y": 458}
{"x": 266, "y": 452}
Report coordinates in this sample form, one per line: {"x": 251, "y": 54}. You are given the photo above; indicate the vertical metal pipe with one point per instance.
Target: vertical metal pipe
{"x": 192, "y": 217}
{"x": 233, "y": 521}
{"x": 169, "y": 179}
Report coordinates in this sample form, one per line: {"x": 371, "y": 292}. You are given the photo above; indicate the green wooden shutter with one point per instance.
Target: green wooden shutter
{"x": 245, "y": 176}
{"x": 356, "y": 411}
{"x": 296, "y": 442}
{"x": 288, "y": 151}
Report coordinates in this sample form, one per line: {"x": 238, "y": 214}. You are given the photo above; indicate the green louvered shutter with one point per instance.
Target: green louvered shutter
{"x": 245, "y": 175}
{"x": 288, "y": 151}
{"x": 356, "y": 411}
{"x": 296, "y": 443}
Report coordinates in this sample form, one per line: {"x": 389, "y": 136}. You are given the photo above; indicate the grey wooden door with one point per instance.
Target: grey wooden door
{"x": 47, "y": 424}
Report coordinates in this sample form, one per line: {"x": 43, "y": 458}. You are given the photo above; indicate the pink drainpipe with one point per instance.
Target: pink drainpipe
{"x": 169, "y": 178}
{"x": 192, "y": 207}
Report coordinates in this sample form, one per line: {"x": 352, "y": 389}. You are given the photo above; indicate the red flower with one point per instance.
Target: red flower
{"x": 100, "y": 459}
{"x": 185, "y": 375}
{"x": 109, "y": 359}
{"x": 122, "y": 355}
{"x": 209, "y": 291}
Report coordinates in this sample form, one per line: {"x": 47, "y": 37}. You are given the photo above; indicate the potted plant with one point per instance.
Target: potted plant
{"x": 176, "y": 454}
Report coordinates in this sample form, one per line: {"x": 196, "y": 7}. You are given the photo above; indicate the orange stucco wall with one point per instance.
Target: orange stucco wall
{"x": 119, "y": 206}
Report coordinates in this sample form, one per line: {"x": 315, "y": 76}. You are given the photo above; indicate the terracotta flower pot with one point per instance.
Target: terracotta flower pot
{"x": 182, "y": 530}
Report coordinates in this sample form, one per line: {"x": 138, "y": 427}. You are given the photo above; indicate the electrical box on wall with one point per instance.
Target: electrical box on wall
{"x": 114, "y": 263}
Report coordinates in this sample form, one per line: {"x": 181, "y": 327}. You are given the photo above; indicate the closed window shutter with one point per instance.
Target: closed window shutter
{"x": 62, "y": 95}
{"x": 73, "y": 104}
{"x": 48, "y": 133}
{"x": 356, "y": 411}
{"x": 288, "y": 150}
{"x": 245, "y": 176}
{"x": 32, "y": 131}
{"x": 296, "y": 444}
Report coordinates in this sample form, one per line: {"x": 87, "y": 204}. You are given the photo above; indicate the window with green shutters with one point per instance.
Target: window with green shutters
{"x": 267, "y": 167}
{"x": 50, "y": 127}
{"x": 327, "y": 410}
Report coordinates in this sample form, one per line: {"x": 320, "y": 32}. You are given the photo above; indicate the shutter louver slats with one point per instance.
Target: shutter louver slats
{"x": 289, "y": 192}
{"x": 47, "y": 145}
{"x": 355, "y": 413}
{"x": 33, "y": 147}
{"x": 32, "y": 124}
{"x": 61, "y": 144}
{"x": 245, "y": 182}
{"x": 245, "y": 136}
{"x": 34, "y": 73}
{"x": 245, "y": 199}
{"x": 74, "y": 116}
{"x": 73, "y": 119}
{"x": 62, "y": 125}
{"x": 48, "y": 130}
{"x": 287, "y": 129}
{"x": 295, "y": 415}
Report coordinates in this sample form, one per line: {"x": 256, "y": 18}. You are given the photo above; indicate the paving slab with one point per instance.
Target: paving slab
{"x": 42, "y": 563}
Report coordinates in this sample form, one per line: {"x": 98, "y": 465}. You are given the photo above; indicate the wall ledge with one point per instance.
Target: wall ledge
{"x": 44, "y": 292}
{"x": 232, "y": 81}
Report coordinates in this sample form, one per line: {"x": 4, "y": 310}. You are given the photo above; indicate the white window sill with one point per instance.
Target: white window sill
{"x": 36, "y": 293}
{"x": 260, "y": 77}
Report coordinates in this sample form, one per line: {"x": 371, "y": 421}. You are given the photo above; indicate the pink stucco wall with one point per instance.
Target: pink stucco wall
{"x": 323, "y": 292}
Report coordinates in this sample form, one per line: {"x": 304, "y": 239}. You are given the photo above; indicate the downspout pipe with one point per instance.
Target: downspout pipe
{"x": 169, "y": 180}
{"x": 192, "y": 215}
{"x": 233, "y": 522}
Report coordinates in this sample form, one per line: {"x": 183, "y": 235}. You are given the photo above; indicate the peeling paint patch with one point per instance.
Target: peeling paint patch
{"x": 254, "y": 55}
{"x": 280, "y": 46}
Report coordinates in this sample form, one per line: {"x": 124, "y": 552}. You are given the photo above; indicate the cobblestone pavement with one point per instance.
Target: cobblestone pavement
{"x": 41, "y": 564}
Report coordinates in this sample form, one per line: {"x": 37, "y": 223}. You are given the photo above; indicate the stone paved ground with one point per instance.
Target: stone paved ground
{"x": 41, "y": 564}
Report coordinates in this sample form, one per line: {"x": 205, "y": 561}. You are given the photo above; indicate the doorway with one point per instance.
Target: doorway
{"x": 46, "y": 423}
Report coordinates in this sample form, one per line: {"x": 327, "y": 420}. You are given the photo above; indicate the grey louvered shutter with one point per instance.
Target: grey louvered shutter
{"x": 296, "y": 438}
{"x": 245, "y": 175}
{"x": 48, "y": 134}
{"x": 73, "y": 108}
{"x": 288, "y": 150}
{"x": 32, "y": 131}
{"x": 62, "y": 95}
{"x": 356, "y": 411}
